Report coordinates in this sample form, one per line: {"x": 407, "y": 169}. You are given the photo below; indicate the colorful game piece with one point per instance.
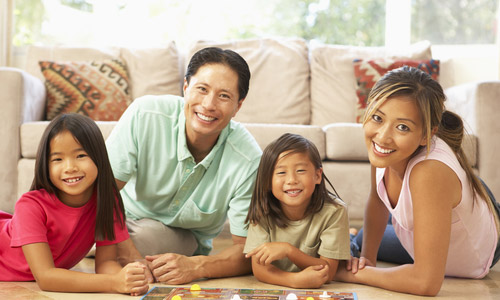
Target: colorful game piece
{"x": 176, "y": 297}
{"x": 236, "y": 297}
{"x": 291, "y": 296}
{"x": 195, "y": 287}
{"x": 309, "y": 298}
{"x": 324, "y": 295}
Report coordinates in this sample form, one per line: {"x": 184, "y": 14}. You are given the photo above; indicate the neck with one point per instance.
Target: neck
{"x": 201, "y": 147}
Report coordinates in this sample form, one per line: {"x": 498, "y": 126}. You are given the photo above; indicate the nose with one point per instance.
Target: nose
{"x": 384, "y": 133}
{"x": 209, "y": 101}
{"x": 291, "y": 178}
{"x": 70, "y": 166}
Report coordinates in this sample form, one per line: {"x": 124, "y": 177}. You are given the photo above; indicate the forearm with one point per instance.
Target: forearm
{"x": 405, "y": 278}
{"x": 302, "y": 260}
{"x": 108, "y": 267}
{"x": 62, "y": 280}
{"x": 273, "y": 275}
{"x": 376, "y": 218}
{"x": 229, "y": 262}
{"x": 127, "y": 252}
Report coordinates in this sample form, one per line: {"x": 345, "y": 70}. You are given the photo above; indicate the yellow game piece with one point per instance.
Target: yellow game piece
{"x": 176, "y": 297}
{"x": 309, "y": 298}
{"x": 195, "y": 287}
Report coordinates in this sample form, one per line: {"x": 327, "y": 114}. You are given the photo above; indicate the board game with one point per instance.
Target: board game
{"x": 195, "y": 292}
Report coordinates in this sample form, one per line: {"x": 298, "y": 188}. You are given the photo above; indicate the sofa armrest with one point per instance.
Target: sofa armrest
{"x": 479, "y": 104}
{"x": 22, "y": 98}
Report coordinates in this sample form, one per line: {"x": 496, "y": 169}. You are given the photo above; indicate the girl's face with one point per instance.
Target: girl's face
{"x": 71, "y": 170}
{"x": 293, "y": 183}
{"x": 393, "y": 133}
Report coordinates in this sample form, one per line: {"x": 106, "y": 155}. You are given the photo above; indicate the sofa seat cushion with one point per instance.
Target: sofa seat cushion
{"x": 279, "y": 83}
{"x": 267, "y": 133}
{"x": 345, "y": 141}
{"x": 32, "y": 132}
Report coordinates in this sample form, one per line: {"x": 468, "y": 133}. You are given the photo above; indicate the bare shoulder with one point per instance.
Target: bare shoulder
{"x": 434, "y": 179}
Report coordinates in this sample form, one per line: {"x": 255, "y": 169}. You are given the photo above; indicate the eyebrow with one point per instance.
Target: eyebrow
{"x": 399, "y": 119}
{"x": 59, "y": 153}
{"x": 299, "y": 164}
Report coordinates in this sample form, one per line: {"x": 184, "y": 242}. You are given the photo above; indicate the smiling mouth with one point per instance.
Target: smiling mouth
{"x": 73, "y": 180}
{"x": 293, "y": 192}
{"x": 382, "y": 150}
{"x": 205, "y": 117}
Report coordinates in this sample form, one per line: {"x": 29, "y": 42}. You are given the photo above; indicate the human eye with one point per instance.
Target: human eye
{"x": 280, "y": 172}
{"x": 202, "y": 89}
{"x": 225, "y": 97}
{"x": 376, "y": 118}
{"x": 300, "y": 171}
{"x": 55, "y": 159}
{"x": 403, "y": 127}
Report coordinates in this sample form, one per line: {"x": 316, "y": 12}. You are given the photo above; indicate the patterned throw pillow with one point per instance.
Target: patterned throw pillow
{"x": 99, "y": 90}
{"x": 367, "y": 73}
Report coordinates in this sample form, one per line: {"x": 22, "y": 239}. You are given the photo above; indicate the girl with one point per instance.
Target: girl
{"x": 73, "y": 202}
{"x": 442, "y": 213}
{"x": 297, "y": 229}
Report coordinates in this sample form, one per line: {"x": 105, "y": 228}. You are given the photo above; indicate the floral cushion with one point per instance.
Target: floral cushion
{"x": 368, "y": 72}
{"x": 99, "y": 90}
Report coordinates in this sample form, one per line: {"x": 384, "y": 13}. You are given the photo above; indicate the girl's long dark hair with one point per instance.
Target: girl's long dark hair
{"x": 264, "y": 205}
{"x": 88, "y": 134}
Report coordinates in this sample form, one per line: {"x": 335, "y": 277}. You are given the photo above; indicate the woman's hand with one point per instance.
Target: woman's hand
{"x": 266, "y": 253}
{"x": 355, "y": 264}
{"x": 132, "y": 279}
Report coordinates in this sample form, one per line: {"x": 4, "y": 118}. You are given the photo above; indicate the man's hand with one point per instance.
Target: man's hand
{"x": 173, "y": 268}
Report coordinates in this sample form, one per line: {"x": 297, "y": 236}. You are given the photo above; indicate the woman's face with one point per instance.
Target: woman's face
{"x": 393, "y": 133}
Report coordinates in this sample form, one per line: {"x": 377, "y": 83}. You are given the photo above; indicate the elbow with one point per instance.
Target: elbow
{"x": 44, "y": 285}
{"x": 428, "y": 286}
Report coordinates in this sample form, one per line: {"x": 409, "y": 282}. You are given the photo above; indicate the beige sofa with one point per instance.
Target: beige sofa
{"x": 295, "y": 87}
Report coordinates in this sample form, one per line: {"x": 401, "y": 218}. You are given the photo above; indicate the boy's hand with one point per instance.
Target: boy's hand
{"x": 312, "y": 277}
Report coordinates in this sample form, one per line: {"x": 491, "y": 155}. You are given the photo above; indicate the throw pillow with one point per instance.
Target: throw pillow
{"x": 368, "y": 72}
{"x": 99, "y": 90}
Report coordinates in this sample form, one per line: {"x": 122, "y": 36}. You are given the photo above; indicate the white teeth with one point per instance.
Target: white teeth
{"x": 382, "y": 150}
{"x": 293, "y": 192}
{"x": 72, "y": 180}
{"x": 205, "y": 118}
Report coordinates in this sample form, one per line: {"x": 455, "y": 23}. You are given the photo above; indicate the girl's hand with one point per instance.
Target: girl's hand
{"x": 312, "y": 277}
{"x": 355, "y": 264}
{"x": 266, "y": 253}
{"x": 132, "y": 279}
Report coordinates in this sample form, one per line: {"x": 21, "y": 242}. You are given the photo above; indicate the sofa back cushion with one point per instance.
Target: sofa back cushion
{"x": 333, "y": 84}
{"x": 152, "y": 71}
{"x": 279, "y": 83}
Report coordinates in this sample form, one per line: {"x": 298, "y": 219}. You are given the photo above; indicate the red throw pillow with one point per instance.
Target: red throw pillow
{"x": 368, "y": 72}
{"x": 100, "y": 90}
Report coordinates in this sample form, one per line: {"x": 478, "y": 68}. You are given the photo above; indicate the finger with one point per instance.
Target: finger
{"x": 349, "y": 264}
{"x": 355, "y": 265}
{"x": 152, "y": 257}
{"x": 362, "y": 262}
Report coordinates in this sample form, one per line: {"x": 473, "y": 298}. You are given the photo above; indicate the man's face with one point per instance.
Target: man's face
{"x": 211, "y": 100}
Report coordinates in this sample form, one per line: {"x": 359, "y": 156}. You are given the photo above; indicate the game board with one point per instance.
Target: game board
{"x": 186, "y": 293}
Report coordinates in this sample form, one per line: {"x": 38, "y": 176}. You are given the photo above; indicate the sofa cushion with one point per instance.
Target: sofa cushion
{"x": 345, "y": 141}
{"x": 333, "y": 85}
{"x": 151, "y": 70}
{"x": 31, "y": 133}
{"x": 279, "y": 84}
{"x": 266, "y": 133}
{"x": 154, "y": 71}
{"x": 98, "y": 89}
{"x": 368, "y": 72}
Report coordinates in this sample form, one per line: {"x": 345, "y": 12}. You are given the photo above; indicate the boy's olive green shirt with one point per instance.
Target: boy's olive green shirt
{"x": 148, "y": 150}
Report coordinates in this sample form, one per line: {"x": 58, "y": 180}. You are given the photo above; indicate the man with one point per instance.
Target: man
{"x": 185, "y": 166}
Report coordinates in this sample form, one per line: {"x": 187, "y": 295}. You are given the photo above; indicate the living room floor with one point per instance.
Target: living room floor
{"x": 487, "y": 288}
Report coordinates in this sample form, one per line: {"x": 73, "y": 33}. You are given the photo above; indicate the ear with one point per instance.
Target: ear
{"x": 240, "y": 102}
{"x": 184, "y": 87}
{"x": 319, "y": 175}
{"x": 423, "y": 142}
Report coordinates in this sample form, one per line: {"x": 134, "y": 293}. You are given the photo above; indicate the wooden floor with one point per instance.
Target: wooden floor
{"x": 487, "y": 288}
